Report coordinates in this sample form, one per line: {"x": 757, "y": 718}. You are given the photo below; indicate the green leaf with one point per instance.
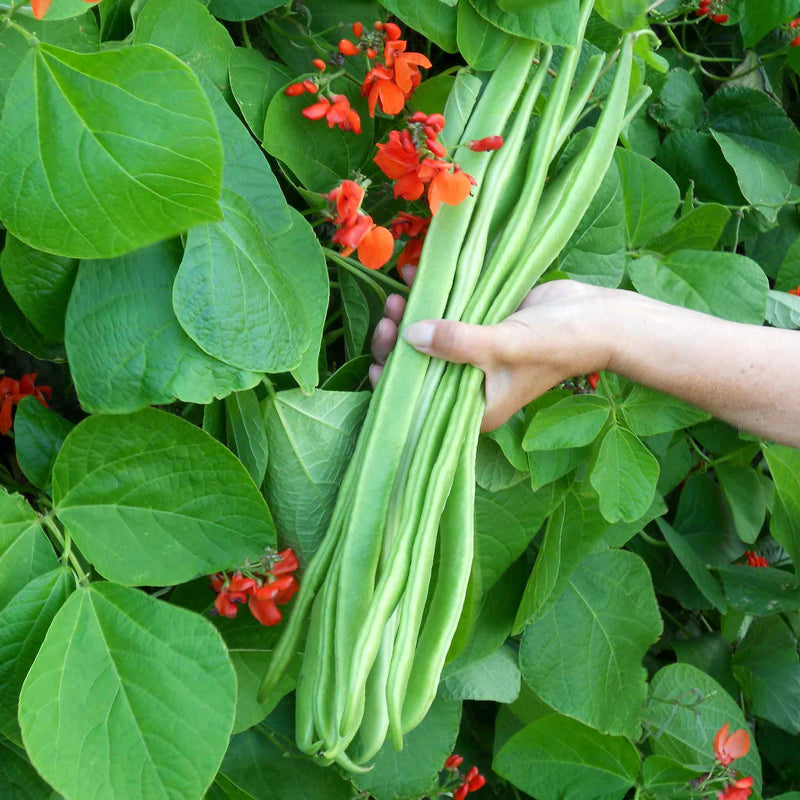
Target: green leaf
{"x": 411, "y": 772}
{"x": 495, "y": 677}
{"x": 242, "y": 9}
{"x": 727, "y": 285}
{"x": 761, "y": 180}
{"x": 551, "y": 21}
{"x": 622, "y": 13}
{"x": 747, "y": 494}
{"x": 700, "y": 229}
{"x": 232, "y": 297}
{"x": 651, "y": 196}
{"x": 318, "y": 155}
{"x": 246, "y": 435}
{"x": 685, "y": 710}
{"x": 141, "y": 668}
{"x": 573, "y": 530}
{"x": 250, "y": 647}
{"x": 147, "y": 171}
{"x": 695, "y": 566}
{"x": 783, "y": 310}
{"x": 711, "y": 653}
{"x": 150, "y": 360}
{"x": 784, "y": 465}
{"x": 509, "y": 438}
{"x": 257, "y": 766}
{"x": 595, "y": 253}
{"x": 785, "y": 528}
{"x": 572, "y": 422}
{"x": 116, "y": 19}
{"x": 758, "y": 20}
{"x": 558, "y": 758}
{"x": 505, "y": 523}
{"x": 694, "y": 158}
{"x": 584, "y": 656}
{"x": 703, "y": 518}
{"x": 663, "y": 776}
{"x": 767, "y": 666}
{"x": 435, "y": 21}
{"x": 23, "y": 625}
{"x": 481, "y": 44}
{"x": 760, "y": 590}
{"x": 140, "y": 520}
{"x": 547, "y": 466}
{"x": 254, "y": 82}
{"x": 185, "y": 28}
{"x": 625, "y": 475}
{"x": 356, "y": 313}
{"x": 493, "y": 471}
{"x": 40, "y": 284}
{"x": 20, "y": 781}
{"x": 680, "y": 102}
{"x": 61, "y": 9}
{"x": 311, "y": 439}
{"x": 25, "y": 552}
{"x": 18, "y": 329}
{"x": 649, "y": 412}
{"x": 38, "y": 436}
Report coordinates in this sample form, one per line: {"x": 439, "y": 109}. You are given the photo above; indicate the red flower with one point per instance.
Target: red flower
{"x": 453, "y": 762}
{"x": 336, "y": 113}
{"x": 593, "y": 380}
{"x": 727, "y": 747}
{"x": 376, "y": 247}
{"x": 461, "y": 792}
{"x": 347, "y": 48}
{"x": 755, "y": 560}
{"x": 347, "y": 197}
{"x": 11, "y": 392}
{"x": 485, "y": 144}
{"x": 40, "y": 7}
{"x": 225, "y": 606}
{"x": 795, "y": 291}
{"x": 448, "y": 187}
{"x": 265, "y": 611}
{"x": 379, "y": 87}
{"x": 795, "y": 43}
{"x": 720, "y": 19}
{"x": 740, "y": 790}
{"x": 287, "y": 563}
{"x": 415, "y": 227}
{"x": 350, "y": 235}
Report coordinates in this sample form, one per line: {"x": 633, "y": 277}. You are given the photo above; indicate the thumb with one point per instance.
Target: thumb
{"x": 453, "y": 341}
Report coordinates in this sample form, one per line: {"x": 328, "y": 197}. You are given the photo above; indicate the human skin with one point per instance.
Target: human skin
{"x": 747, "y": 375}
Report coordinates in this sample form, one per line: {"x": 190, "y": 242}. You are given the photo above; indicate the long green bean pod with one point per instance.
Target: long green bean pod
{"x": 405, "y": 372}
{"x": 456, "y": 538}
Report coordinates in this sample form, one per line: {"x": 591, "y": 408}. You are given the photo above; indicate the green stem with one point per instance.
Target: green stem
{"x": 32, "y": 40}
{"x": 368, "y": 276}
{"x": 651, "y": 541}
{"x": 246, "y": 35}
{"x": 332, "y": 336}
{"x": 65, "y": 544}
{"x": 698, "y": 450}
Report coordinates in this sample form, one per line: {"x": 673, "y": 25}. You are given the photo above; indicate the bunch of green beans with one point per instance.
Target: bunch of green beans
{"x": 382, "y": 619}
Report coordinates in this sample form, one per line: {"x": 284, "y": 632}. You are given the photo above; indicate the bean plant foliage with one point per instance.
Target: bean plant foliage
{"x": 203, "y": 207}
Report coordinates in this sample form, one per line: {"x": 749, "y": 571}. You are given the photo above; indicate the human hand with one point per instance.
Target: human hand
{"x": 553, "y": 336}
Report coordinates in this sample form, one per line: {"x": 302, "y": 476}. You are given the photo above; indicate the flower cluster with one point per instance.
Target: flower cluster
{"x": 415, "y": 228}
{"x": 470, "y": 782}
{"x": 414, "y": 158}
{"x": 356, "y": 230}
{"x": 755, "y": 560}
{"x": 11, "y": 392}
{"x": 395, "y": 74}
{"x": 333, "y": 108}
{"x": 263, "y": 588}
{"x": 712, "y": 9}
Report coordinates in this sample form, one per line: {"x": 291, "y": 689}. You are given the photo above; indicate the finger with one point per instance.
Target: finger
{"x": 383, "y": 340}
{"x": 375, "y": 371}
{"x": 453, "y": 341}
{"x": 409, "y": 273}
{"x": 394, "y": 308}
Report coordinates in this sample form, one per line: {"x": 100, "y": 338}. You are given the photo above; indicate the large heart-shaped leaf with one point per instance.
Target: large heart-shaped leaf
{"x": 152, "y": 500}
{"x": 584, "y": 656}
{"x": 129, "y": 698}
{"x": 106, "y": 152}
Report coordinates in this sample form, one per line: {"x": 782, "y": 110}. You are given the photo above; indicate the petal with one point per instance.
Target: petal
{"x": 40, "y": 7}
{"x": 391, "y": 97}
{"x": 265, "y": 611}
{"x": 409, "y": 187}
{"x": 720, "y": 738}
{"x": 738, "y": 745}
{"x": 5, "y": 416}
{"x": 376, "y": 248}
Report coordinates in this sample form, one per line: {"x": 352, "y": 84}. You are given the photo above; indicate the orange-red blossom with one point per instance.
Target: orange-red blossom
{"x": 11, "y": 392}
{"x": 739, "y": 790}
{"x": 374, "y": 243}
{"x": 730, "y": 746}
{"x": 41, "y": 7}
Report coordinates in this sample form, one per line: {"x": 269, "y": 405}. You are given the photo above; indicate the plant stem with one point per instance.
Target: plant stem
{"x": 246, "y": 35}
{"x": 651, "y": 541}
{"x": 368, "y": 276}
{"x": 65, "y": 543}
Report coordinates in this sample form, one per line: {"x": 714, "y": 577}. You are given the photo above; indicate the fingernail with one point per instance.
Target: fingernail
{"x": 419, "y": 335}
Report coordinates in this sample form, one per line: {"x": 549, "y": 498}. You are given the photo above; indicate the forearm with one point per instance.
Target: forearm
{"x": 746, "y": 375}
